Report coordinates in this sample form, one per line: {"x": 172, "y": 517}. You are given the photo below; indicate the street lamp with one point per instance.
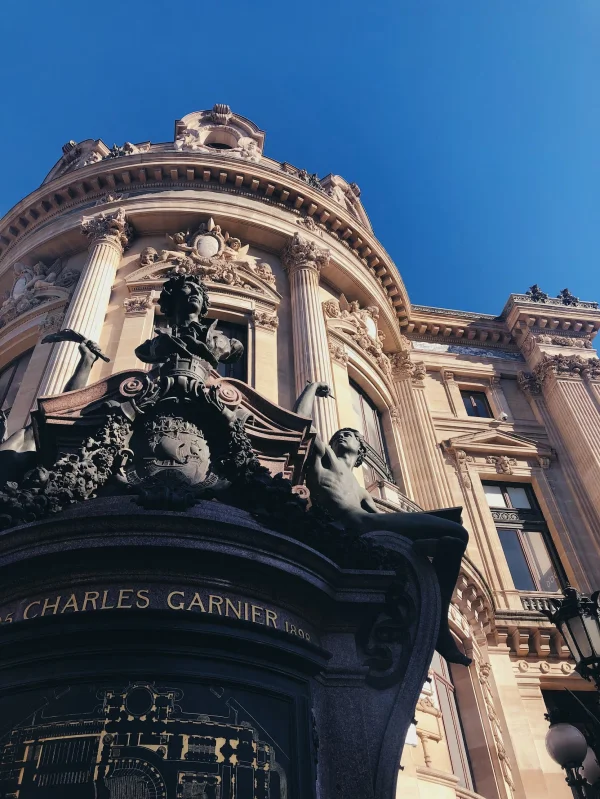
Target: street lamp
{"x": 578, "y": 620}
{"x": 567, "y": 746}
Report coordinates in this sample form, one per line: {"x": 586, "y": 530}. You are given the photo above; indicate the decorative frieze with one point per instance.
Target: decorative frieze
{"x": 484, "y": 671}
{"x": 112, "y": 227}
{"x": 126, "y": 149}
{"x": 110, "y": 197}
{"x": 53, "y": 322}
{"x": 360, "y": 325}
{"x": 462, "y": 461}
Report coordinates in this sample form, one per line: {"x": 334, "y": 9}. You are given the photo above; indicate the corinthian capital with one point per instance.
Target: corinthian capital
{"x": 112, "y": 226}
{"x": 301, "y": 253}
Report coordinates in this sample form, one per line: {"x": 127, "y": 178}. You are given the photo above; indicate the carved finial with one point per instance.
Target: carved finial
{"x": 535, "y": 294}
{"x": 220, "y": 114}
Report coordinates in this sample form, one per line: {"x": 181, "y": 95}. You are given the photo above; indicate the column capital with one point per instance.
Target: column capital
{"x": 403, "y": 367}
{"x": 302, "y": 253}
{"x": 112, "y": 227}
{"x": 567, "y": 366}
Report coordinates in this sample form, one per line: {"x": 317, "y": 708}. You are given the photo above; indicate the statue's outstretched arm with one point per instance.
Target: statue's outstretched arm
{"x": 304, "y": 406}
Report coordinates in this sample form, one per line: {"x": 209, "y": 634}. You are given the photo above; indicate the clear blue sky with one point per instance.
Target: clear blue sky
{"x": 471, "y": 126}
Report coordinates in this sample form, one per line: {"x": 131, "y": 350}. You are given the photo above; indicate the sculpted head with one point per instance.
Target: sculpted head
{"x": 349, "y": 441}
{"x": 183, "y": 299}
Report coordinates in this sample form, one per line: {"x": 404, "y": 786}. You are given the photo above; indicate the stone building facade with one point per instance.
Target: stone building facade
{"x": 497, "y": 414}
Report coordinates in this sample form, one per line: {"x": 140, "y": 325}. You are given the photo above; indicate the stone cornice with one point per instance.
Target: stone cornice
{"x": 156, "y": 170}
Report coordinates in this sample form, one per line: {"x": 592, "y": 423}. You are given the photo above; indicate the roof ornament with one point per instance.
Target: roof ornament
{"x": 535, "y": 294}
{"x": 567, "y": 298}
{"x": 220, "y": 114}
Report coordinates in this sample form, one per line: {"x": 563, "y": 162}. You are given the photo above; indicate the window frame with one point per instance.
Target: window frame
{"x": 480, "y": 391}
{"x": 521, "y": 521}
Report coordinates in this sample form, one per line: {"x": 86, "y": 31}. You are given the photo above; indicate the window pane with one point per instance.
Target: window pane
{"x": 476, "y": 403}
{"x": 540, "y": 560}
{"x": 357, "y": 406}
{"x": 494, "y": 496}
{"x": 516, "y": 561}
{"x": 518, "y": 497}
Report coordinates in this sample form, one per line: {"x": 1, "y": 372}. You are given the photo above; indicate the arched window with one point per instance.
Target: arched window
{"x": 376, "y": 465}
{"x": 455, "y": 739}
{"x": 10, "y": 379}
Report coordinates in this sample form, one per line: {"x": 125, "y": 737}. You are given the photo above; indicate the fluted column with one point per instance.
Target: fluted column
{"x": 109, "y": 235}
{"x": 303, "y": 261}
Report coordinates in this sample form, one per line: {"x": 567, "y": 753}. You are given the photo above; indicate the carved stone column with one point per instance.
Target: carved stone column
{"x": 303, "y": 261}
{"x": 264, "y": 378}
{"x": 109, "y": 234}
{"x": 426, "y": 480}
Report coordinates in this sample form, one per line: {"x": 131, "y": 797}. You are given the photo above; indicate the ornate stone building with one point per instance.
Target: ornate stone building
{"x": 497, "y": 414}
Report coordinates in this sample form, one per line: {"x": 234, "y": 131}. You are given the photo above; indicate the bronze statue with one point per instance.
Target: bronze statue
{"x": 89, "y": 353}
{"x": 332, "y": 485}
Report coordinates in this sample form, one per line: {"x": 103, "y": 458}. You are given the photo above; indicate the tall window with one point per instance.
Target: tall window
{"x": 524, "y": 537}
{"x": 10, "y": 379}
{"x": 476, "y": 403}
{"x": 453, "y": 730}
{"x": 375, "y": 466}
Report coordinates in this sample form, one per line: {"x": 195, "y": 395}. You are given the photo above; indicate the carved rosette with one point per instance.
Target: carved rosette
{"x": 302, "y": 253}
{"x": 136, "y": 305}
{"x": 268, "y": 321}
{"x": 108, "y": 227}
{"x": 52, "y": 323}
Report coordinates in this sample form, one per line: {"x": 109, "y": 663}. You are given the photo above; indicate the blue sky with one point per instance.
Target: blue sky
{"x": 471, "y": 126}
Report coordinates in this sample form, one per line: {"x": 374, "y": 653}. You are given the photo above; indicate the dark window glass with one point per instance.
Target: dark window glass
{"x": 217, "y": 145}
{"x": 455, "y": 738}
{"x": 11, "y": 378}
{"x": 517, "y": 562}
{"x": 476, "y": 403}
{"x": 368, "y": 418}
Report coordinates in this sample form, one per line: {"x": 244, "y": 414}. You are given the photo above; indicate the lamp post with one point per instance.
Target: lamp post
{"x": 578, "y": 620}
{"x": 567, "y": 746}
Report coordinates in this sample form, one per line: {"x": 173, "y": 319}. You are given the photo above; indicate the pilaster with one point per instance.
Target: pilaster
{"x": 265, "y": 353}
{"x": 137, "y": 327}
{"x": 427, "y": 481}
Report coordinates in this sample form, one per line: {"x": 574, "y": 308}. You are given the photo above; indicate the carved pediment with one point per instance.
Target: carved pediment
{"x": 211, "y": 254}
{"x": 499, "y": 443}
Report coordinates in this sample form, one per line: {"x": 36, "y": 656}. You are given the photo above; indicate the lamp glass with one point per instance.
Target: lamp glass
{"x": 566, "y": 745}
{"x": 591, "y": 768}
{"x": 566, "y": 634}
{"x": 578, "y": 630}
{"x": 592, "y": 625}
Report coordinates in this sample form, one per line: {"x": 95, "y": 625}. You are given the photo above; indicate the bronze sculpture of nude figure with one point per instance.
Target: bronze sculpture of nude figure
{"x": 333, "y": 486}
